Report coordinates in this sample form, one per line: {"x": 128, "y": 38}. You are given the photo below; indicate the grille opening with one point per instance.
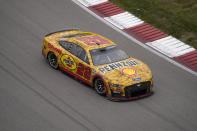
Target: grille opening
{"x": 138, "y": 93}
{"x": 137, "y": 89}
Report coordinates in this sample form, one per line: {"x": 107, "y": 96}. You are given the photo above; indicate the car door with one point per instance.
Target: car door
{"x": 83, "y": 66}
{"x": 75, "y": 61}
{"x": 68, "y": 61}
{"x": 84, "y": 70}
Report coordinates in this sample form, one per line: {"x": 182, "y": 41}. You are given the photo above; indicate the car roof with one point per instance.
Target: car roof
{"x": 87, "y": 40}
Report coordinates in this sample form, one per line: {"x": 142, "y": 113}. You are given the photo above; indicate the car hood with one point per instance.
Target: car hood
{"x": 126, "y": 72}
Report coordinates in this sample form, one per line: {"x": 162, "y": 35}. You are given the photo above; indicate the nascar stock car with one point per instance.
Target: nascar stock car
{"x": 99, "y": 62}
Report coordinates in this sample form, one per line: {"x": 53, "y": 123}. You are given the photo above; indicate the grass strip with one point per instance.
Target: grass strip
{"x": 175, "y": 17}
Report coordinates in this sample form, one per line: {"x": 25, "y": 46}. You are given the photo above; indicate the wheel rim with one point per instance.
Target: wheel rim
{"x": 100, "y": 86}
{"x": 52, "y": 60}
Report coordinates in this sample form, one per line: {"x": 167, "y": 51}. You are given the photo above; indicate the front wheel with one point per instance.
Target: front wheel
{"x": 100, "y": 87}
{"x": 52, "y": 60}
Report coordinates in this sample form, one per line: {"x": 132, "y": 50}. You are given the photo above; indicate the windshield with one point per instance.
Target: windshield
{"x": 107, "y": 55}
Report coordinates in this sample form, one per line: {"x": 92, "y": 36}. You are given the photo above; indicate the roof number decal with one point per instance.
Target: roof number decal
{"x": 92, "y": 40}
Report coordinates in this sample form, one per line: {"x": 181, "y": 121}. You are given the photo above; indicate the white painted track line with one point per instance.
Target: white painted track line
{"x": 91, "y": 2}
{"x": 124, "y": 20}
{"x": 171, "y": 46}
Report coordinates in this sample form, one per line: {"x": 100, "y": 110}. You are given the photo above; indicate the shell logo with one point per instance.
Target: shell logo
{"x": 68, "y": 62}
{"x": 129, "y": 72}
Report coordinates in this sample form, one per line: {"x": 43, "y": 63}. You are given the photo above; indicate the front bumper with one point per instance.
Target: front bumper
{"x": 132, "y": 92}
{"x": 123, "y": 98}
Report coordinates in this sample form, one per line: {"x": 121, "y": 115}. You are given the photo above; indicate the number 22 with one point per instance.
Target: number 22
{"x": 84, "y": 71}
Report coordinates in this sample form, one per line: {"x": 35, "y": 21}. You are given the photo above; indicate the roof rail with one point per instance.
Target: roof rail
{"x": 60, "y": 31}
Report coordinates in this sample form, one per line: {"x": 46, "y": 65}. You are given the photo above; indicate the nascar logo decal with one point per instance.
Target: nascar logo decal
{"x": 114, "y": 66}
{"x": 68, "y": 62}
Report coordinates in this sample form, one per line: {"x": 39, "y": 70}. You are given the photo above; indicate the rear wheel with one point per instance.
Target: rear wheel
{"x": 52, "y": 60}
{"x": 100, "y": 87}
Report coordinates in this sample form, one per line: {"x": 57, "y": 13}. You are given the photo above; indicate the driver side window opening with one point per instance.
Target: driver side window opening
{"x": 76, "y": 50}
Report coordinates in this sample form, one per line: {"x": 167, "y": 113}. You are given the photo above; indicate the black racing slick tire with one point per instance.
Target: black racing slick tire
{"x": 99, "y": 86}
{"x": 52, "y": 60}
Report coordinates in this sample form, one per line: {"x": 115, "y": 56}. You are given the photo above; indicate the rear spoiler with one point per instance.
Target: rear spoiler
{"x": 61, "y": 31}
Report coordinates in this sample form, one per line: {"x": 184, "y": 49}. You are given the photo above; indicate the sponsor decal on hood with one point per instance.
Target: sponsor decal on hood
{"x": 129, "y": 72}
{"x": 118, "y": 65}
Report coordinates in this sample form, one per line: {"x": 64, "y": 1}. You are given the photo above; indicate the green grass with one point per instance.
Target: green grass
{"x": 175, "y": 17}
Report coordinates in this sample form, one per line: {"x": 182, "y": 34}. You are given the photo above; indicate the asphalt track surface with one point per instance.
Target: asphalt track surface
{"x": 34, "y": 97}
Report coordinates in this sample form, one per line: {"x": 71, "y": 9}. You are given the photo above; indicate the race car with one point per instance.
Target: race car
{"x": 98, "y": 62}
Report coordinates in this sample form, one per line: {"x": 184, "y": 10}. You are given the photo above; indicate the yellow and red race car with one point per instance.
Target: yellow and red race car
{"x": 99, "y": 62}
